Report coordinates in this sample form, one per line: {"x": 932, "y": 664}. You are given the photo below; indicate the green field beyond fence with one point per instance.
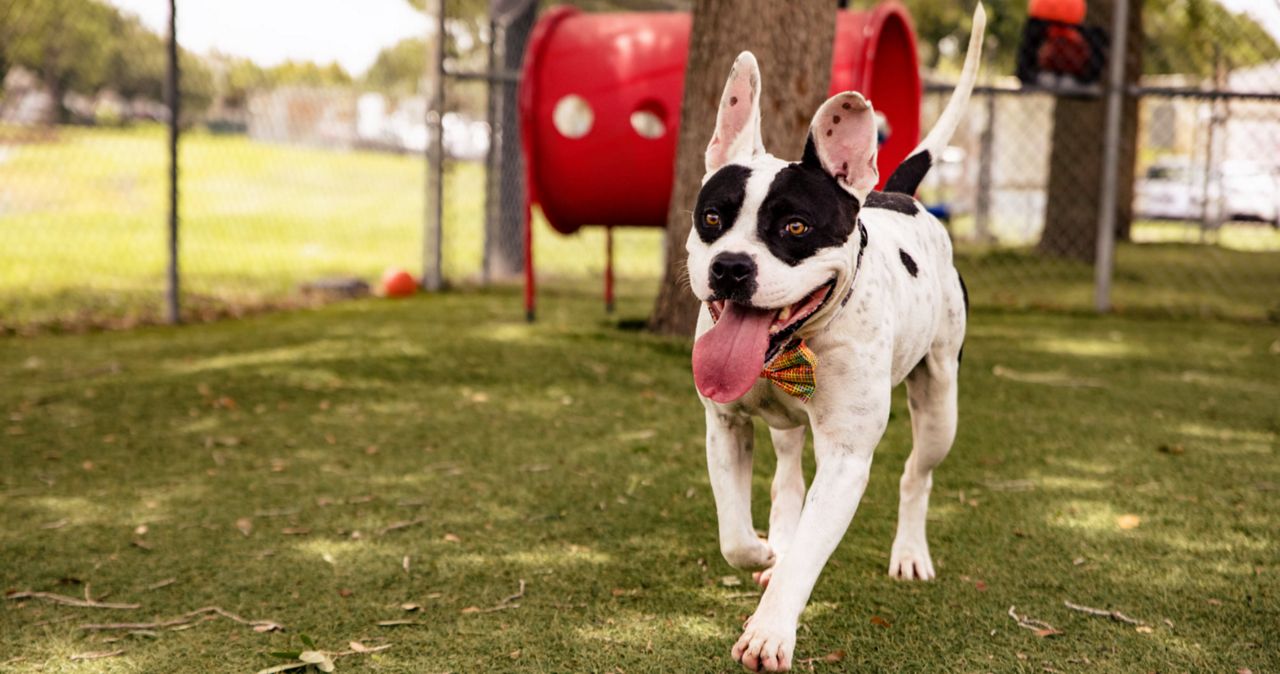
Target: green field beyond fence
{"x": 83, "y": 218}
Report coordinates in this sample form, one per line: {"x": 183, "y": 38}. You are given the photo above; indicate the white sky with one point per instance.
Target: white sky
{"x": 351, "y": 32}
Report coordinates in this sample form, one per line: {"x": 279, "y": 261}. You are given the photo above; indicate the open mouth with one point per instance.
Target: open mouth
{"x": 728, "y": 358}
{"x": 788, "y": 319}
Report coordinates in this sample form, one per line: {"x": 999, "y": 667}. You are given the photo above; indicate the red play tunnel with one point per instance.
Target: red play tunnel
{"x": 600, "y": 109}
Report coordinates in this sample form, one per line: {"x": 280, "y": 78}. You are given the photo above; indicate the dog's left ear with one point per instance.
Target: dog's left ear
{"x": 842, "y": 141}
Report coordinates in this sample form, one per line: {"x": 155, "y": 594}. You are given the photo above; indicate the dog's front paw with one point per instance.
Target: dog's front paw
{"x": 911, "y": 562}
{"x": 749, "y": 554}
{"x": 766, "y": 644}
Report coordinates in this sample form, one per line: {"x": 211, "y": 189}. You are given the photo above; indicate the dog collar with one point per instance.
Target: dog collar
{"x": 857, "y": 267}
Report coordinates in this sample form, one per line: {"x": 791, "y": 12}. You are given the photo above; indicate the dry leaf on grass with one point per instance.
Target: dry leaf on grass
{"x": 730, "y": 581}
{"x": 877, "y": 620}
{"x": 1128, "y": 521}
{"x": 245, "y": 525}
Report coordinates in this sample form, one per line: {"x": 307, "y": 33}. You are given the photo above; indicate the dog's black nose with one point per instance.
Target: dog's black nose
{"x": 733, "y": 276}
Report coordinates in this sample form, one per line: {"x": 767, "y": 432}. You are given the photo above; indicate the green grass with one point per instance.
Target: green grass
{"x": 569, "y": 454}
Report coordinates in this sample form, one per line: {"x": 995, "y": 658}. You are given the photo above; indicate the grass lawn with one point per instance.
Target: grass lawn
{"x": 323, "y": 468}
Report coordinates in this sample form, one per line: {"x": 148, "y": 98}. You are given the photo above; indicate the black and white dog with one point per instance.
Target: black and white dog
{"x": 819, "y": 296}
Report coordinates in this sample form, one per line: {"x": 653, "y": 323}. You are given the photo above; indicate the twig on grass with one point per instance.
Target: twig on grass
{"x": 159, "y": 584}
{"x": 96, "y": 655}
{"x": 518, "y": 595}
{"x": 1114, "y": 615}
{"x": 503, "y": 605}
{"x": 70, "y": 601}
{"x": 186, "y": 620}
{"x": 1040, "y": 627}
{"x": 396, "y": 526}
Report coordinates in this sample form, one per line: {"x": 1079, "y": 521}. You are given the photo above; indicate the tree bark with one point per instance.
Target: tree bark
{"x": 1075, "y": 165}
{"x": 792, "y": 41}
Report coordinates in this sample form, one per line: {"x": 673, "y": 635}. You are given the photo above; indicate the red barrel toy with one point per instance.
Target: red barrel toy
{"x": 600, "y": 109}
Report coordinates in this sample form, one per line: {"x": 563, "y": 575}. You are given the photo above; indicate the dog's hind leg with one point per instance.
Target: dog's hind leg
{"x": 729, "y": 448}
{"x": 931, "y": 396}
{"x": 787, "y": 492}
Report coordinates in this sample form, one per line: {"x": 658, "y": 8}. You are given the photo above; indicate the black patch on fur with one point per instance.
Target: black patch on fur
{"x": 805, "y": 192}
{"x": 892, "y": 201}
{"x": 907, "y": 177}
{"x": 909, "y": 263}
{"x": 722, "y": 194}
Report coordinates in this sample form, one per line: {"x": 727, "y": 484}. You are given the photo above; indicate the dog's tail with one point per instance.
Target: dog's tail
{"x": 906, "y": 178}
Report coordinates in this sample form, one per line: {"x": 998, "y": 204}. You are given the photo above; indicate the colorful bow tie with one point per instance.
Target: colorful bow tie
{"x": 792, "y": 370}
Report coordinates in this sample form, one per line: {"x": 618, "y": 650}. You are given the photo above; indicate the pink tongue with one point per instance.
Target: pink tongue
{"x": 728, "y": 359}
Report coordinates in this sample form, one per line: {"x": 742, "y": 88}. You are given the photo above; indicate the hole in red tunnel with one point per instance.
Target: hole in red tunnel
{"x": 650, "y": 119}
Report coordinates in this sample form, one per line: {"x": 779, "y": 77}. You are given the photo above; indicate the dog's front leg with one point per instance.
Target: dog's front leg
{"x": 843, "y": 447}
{"x": 729, "y": 444}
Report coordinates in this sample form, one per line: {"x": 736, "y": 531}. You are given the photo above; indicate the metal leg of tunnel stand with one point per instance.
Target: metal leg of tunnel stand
{"x": 530, "y": 292}
{"x": 608, "y": 270}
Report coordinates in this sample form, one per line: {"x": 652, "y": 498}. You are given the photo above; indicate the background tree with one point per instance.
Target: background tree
{"x": 1075, "y": 163}
{"x": 792, "y": 41}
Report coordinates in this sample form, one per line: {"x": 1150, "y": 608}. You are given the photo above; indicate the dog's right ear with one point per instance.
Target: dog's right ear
{"x": 737, "y": 136}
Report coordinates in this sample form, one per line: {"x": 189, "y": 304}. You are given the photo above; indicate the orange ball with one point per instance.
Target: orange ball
{"x": 397, "y": 282}
{"x": 1066, "y": 11}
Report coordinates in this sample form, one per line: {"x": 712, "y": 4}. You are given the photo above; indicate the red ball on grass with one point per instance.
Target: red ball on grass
{"x": 397, "y": 282}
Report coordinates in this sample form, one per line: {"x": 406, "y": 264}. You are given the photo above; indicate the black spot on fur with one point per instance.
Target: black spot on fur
{"x": 907, "y": 177}
{"x": 723, "y": 195}
{"x": 909, "y": 263}
{"x": 892, "y": 201}
{"x": 807, "y": 193}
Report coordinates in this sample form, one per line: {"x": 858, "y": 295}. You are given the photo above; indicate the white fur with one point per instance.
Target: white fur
{"x": 891, "y": 324}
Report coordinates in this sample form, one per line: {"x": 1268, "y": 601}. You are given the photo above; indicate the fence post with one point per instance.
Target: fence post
{"x": 986, "y": 152}
{"x": 173, "y": 97}
{"x": 433, "y": 222}
{"x": 1104, "y": 261}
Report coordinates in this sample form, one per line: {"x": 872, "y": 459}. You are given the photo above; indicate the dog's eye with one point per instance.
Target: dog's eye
{"x": 797, "y": 228}
{"x": 711, "y": 218}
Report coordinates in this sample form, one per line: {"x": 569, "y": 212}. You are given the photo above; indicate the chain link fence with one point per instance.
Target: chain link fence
{"x": 300, "y": 182}
{"x": 1197, "y": 231}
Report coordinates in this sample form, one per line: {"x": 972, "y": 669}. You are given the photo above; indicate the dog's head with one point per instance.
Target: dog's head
{"x": 770, "y": 249}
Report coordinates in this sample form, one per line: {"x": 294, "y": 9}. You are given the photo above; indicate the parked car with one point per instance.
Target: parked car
{"x": 1173, "y": 189}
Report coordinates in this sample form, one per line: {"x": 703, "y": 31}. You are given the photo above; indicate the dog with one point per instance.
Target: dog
{"x": 819, "y": 295}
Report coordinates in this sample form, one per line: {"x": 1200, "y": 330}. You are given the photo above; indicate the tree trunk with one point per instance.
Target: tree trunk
{"x": 792, "y": 41}
{"x": 1075, "y": 166}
